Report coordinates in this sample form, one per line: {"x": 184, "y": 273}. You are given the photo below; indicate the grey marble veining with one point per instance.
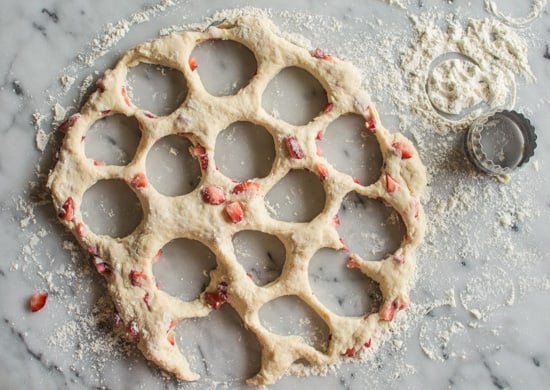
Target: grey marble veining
{"x": 477, "y": 323}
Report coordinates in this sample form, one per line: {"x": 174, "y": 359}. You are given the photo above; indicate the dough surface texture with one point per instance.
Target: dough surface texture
{"x": 148, "y": 312}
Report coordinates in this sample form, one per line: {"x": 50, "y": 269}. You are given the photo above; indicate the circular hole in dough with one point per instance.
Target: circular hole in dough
{"x": 244, "y": 151}
{"x": 157, "y": 89}
{"x": 328, "y": 273}
{"x": 294, "y": 96}
{"x": 369, "y": 227}
{"x": 289, "y": 315}
{"x": 262, "y": 255}
{"x": 111, "y": 208}
{"x": 171, "y": 168}
{"x": 183, "y": 267}
{"x": 219, "y": 347}
{"x": 112, "y": 140}
{"x": 297, "y": 197}
{"x": 352, "y": 149}
{"x": 224, "y": 66}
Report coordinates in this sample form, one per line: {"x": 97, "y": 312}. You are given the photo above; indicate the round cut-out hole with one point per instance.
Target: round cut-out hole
{"x": 157, "y": 89}
{"x": 244, "y": 151}
{"x": 289, "y": 315}
{"x": 369, "y": 227}
{"x": 182, "y": 269}
{"x": 112, "y": 140}
{"x": 111, "y": 208}
{"x": 224, "y": 66}
{"x": 298, "y": 197}
{"x": 262, "y": 255}
{"x": 295, "y": 96}
{"x": 220, "y": 337}
{"x": 328, "y": 273}
{"x": 352, "y": 149}
{"x": 171, "y": 169}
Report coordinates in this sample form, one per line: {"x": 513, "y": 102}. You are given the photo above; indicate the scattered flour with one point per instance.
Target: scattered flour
{"x": 446, "y": 78}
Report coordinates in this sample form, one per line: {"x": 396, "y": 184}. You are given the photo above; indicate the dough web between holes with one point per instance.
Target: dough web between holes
{"x": 219, "y": 208}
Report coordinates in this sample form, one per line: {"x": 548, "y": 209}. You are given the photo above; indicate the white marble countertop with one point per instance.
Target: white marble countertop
{"x": 480, "y": 307}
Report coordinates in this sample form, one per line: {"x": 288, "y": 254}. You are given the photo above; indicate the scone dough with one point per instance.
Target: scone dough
{"x": 150, "y": 313}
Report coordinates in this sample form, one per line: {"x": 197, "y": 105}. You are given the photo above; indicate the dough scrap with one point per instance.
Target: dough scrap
{"x": 149, "y": 313}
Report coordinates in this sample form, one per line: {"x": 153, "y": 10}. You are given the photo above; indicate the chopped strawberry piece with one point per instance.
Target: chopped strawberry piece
{"x": 101, "y": 266}
{"x": 133, "y": 332}
{"x": 404, "y": 149}
{"x": 344, "y": 246}
{"x": 212, "y": 194}
{"x": 137, "y": 278}
{"x": 350, "y": 352}
{"x": 157, "y": 256}
{"x": 368, "y": 343}
{"x": 294, "y": 147}
{"x": 200, "y": 152}
{"x": 389, "y": 312}
{"x": 399, "y": 258}
{"x": 249, "y": 275}
{"x": 318, "y": 151}
{"x": 391, "y": 184}
{"x": 352, "y": 263}
{"x": 371, "y": 125}
{"x": 83, "y": 138}
{"x": 171, "y": 339}
{"x": 149, "y": 115}
{"x": 320, "y": 53}
{"x": 323, "y": 171}
{"x": 93, "y": 250}
{"x": 68, "y": 123}
{"x": 172, "y": 325}
{"x": 248, "y": 187}
{"x": 147, "y": 299}
{"x": 140, "y": 181}
{"x": 99, "y": 163}
{"x": 125, "y": 97}
{"x": 403, "y": 305}
{"x": 319, "y": 135}
{"x": 336, "y": 220}
{"x": 329, "y": 107}
{"x": 105, "y": 112}
{"x": 81, "y": 230}
{"x": 193, "y": 64}
{"x": 38, "y": 301}
{"x": 235, "y": 211}
{"x": 217, "y": 298}
{"x": 67, "y": 210}
{"x": 356, "y": 180}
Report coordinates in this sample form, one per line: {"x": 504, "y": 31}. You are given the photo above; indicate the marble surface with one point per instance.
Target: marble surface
{"x": 480, "y": 312}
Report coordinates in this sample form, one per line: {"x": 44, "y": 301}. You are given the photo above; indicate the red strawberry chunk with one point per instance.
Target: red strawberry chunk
{"x": 323, "y": 171}
{"x": 352, "y": 263}
{"x": 200, "y": 152}
{"x": 93, "y": 250}
{"x": 105, "y": 112}
{"x": 147, "y": 299}
{"x": 140, "y": 181}
{"x": 294, "y": 147}
{"x": 193, "y": 63}
{"x": 67, "y": 210}
{"x": 171, "y": 339}
{"x": 235, "y": 211}
{"x": 99, "y": 163}
{"x": 319, "y": 135}
{"x": 336, "y": 220}
{"x": 101, "y": 266}
{"x": 212, "y": 194}
{"x": 320, "y": 53}
{"x": 404, "y": 149}
{"x": 68, "y": 123}
{"x": 389, "y": 311}
{"x": 248, "y": 187}
{"x": 329, "y": 107}
{"x": 344, "y": 246}
{"x": 137, "y": 278}
{"x": 391, "y": 184}
{"x": 38, "y": 301}
{"x": 371, "y": 125}
{"x": 157, "y": 256}
{"x": 149, "y": 115}
{"x": 217, "y": 298}
{"x": 368, "y": 343}
{"x": 125, "y": 97}
{"x": 350, "y": 352}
